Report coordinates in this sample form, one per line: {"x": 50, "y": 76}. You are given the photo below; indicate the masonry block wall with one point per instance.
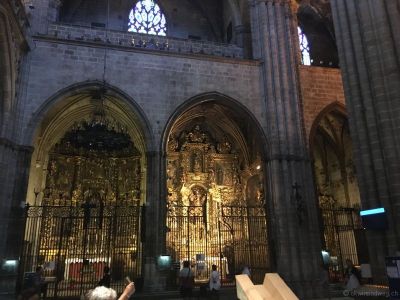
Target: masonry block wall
{"x": 320, "y": 87}
{"x": 158, "y": 82}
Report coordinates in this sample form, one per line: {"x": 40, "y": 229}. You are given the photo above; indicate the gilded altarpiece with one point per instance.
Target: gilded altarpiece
{"x": 338, "y": 195}
{"x": 209, "y": 218}
{"x": 89, "y": 216}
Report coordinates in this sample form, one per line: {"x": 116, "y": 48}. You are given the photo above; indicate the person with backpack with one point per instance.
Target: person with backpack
{"x": 186, "y": 280}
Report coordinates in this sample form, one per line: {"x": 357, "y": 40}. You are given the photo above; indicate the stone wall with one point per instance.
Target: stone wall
{"x": 151, "y": 78}
{"x": 320, "y": 87}
{"x": 184, "y": 18}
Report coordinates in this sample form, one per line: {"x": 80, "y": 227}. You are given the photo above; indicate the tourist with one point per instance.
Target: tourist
{"x": 186, "y": 280}
{"x": 106, "y": 280}
{"x": 352, "y": 276}
{"x": 40, "y": 284}
{"x": 215, "y": 283}
{"x": 104, "y": 293}
{"x": 246, "y": 271}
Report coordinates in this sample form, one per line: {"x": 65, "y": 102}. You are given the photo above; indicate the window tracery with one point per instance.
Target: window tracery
{"x": 304, "y": 48}
{"x": 146, "y": 17}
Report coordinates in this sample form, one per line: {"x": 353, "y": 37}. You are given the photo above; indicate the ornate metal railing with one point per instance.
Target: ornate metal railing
{"x": 229, "y": 237}
{"x": 342, "y": 233}
{"x": 142, "y": 41}
{"x": 74, "y": 244}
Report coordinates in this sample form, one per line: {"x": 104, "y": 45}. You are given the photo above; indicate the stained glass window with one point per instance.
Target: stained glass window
{"x": 304, "y": 48}
{"x": 147, "y": 17}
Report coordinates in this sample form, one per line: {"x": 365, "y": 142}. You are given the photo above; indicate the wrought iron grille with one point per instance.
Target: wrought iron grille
{"x": 74, "y": 244}
{"x": 231, "y": 238}
{"x": 341, "y": 228}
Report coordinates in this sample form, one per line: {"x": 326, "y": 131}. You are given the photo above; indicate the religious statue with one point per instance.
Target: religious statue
{"x": 235, "y": 179}
{"x": 172, "y": 143}
{"x": 220, "y": 176}
{"x": 76, "y": 194}
{"x": 196, "y": 135}
{"x": 260, "y": 195}
{"x": 224, "y": 147}
{"x": 197, "y": 162}
{"x": 211, "y": 176}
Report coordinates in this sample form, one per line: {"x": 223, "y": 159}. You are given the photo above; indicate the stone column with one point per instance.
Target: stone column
{"x": 368, "y": 39}
{"x": 15, "y": 163}
{"x": 290, "y": 192}
{"x": 18, "y": 199}
{"x": 155, "y": 225}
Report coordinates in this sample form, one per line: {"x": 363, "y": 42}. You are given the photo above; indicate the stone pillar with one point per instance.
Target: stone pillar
{"x": 16, "y": 224}
{"x": 15, "y": 163}
{"x": 155, "y": 225}
{"x": 368, "y": 39}
{"x": 290, "y": 192}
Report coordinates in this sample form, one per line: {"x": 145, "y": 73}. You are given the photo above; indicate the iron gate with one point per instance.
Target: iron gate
{"x": 74, "y": 244}
{"x": 342, "y": 228}
{"x": 231, "y": 237}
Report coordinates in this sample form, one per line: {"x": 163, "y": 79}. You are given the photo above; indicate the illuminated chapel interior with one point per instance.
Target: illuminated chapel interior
{"x": 139, "y": 134}
{"x": 88, "y": 182}
{"x": 216, "y": 204}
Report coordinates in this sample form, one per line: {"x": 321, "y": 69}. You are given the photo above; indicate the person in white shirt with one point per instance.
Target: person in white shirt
{"x": 104, "y": 293}
{"x": 246, "y": 271}
{"x": 215, "y": 282}
{"x": 186, "y": 278}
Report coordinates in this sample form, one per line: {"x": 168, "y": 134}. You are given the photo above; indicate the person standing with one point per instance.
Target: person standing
{"x": 352, "y": 276}
{"x": 186, "y": 279}
{"x": 106, "y": 280}
{"x": 40, "y": 283}
{"x": 246, "y": 271}
{"x": 215, "y": 283}
{"x": 104, "y": 293}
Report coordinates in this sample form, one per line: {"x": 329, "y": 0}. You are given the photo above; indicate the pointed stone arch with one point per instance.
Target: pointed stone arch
{"x": 76, "y": 103}
{"x": 336, "y": 185}
{"x": 214, "y": 149}
{"x": 334, "y": 106}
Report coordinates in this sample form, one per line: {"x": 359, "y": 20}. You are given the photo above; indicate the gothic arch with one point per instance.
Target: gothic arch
{"x": 336, "y": 185}
{"x": 219, "y": 99}
{"x": 315, "y": 20}
{"x": 214, "y": 151}
{"x": 78, "y": 102}
{"x": 86, "y": 89}
{"x": 334, "y": 106}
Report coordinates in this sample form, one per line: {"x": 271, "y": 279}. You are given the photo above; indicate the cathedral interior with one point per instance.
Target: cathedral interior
{"x": 139, "y": 134}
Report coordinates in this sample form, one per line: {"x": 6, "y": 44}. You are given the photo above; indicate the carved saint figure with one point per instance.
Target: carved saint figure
{"x": 76, "y": 194}
{"x": 197, "y": 162}
{"x": 196, "y": 135}
{"x": 211, "y": 175}
{"x": 172, "y": 143}
{"x": 224, "y": 147}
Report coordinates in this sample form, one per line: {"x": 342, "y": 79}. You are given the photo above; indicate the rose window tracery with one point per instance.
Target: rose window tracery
{"x": 147, "y": 17}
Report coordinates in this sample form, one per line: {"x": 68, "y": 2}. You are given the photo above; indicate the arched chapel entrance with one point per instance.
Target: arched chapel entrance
{"x": 86, "y": 189}
{"x": 216, "y": 205}
{"x": 337, "y": 189}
